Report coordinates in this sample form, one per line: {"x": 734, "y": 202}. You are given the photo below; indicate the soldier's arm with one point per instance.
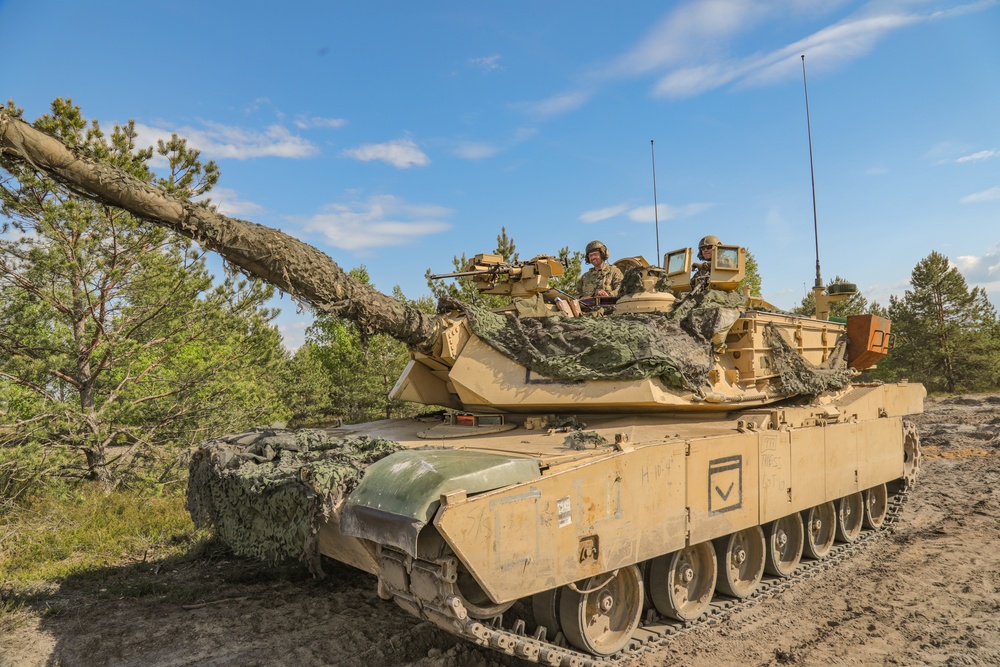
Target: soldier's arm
{"x": 616, "y": 281}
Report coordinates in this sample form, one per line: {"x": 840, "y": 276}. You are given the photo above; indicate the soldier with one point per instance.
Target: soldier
{"x": 603, "y": 279}
{"x": 706, "y": 247}
{"x": 702, "y": 269}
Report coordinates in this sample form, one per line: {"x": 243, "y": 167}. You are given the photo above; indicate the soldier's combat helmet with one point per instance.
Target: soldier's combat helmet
{"x": 709, "y": 241}
{"x": 597, "y": 245}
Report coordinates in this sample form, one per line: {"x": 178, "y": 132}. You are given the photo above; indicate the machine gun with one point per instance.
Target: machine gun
{"x": 519, "y": 280}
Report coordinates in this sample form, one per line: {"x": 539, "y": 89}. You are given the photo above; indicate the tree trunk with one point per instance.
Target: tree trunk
{"x": 97, "y": 466}
{"x": 287, "y": 263}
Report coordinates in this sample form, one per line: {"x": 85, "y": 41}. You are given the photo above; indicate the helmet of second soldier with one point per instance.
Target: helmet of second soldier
{"x": 597, "y": 245}
{"x": 709, "y": 241}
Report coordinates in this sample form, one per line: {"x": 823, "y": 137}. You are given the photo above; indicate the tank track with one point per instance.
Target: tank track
{"x": 430, "y": 594}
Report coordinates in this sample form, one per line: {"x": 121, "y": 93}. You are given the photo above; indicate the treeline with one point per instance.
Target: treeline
{"x": 944, "y": 334}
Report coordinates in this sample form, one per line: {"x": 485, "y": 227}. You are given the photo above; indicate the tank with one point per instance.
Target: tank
{"x": 594, "y": 482}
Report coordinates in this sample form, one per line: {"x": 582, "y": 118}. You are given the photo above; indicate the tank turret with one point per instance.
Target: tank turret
{"x": 615, "y": 472}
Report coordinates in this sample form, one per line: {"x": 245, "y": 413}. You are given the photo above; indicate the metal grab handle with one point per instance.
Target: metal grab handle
{"x": 611, "y": 575}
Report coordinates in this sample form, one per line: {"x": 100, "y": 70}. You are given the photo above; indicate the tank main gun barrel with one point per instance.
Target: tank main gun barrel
{"x": 287, "y": 263}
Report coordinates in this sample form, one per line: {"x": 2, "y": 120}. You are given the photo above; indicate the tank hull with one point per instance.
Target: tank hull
{"x": 660, "y": 487}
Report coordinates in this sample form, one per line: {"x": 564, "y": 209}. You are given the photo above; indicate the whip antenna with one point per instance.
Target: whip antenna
{"x": 812, "y": 172}
{"x": 656, "y": 211}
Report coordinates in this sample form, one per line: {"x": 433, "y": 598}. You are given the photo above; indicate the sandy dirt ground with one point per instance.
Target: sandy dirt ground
{"x": 928, "y": 593}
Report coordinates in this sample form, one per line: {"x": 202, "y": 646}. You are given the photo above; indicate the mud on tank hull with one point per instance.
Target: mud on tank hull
{"x": 668, "y": 515}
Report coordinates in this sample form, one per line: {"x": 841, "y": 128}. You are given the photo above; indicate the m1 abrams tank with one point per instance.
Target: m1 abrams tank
{"x": 595, "y": 483}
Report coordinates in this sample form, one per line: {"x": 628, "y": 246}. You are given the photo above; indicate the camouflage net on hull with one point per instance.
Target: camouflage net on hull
{"x": 675, "y": 347}
{"x": 267, "y": 492}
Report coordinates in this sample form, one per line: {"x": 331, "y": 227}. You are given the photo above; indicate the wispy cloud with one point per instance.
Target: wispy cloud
{"x": 645, "y": 213}
{"x": 400, "y": 153}
{"x": 306, "y": 123}
{"x": 378, "y": 221}
{"x": 701, "y": 45}
{"x": 601, "y": 214}
{"x": 228, "y": 202}
{"x": 218, "y": 141}
{"x": 978, "y": 156}
{"x": 829, "y": 47}
{"x": 555, "y": 105}
{"x": 475, "y": 150}
{"x": 480, "y": 150}
{"x": 990, "y": 194}
{"x": 486, "y": 64}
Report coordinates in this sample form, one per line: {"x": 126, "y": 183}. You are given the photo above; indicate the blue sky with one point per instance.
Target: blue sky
{"x": 398, "y": 134}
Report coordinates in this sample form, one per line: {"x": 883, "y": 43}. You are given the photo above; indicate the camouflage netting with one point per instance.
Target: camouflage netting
{"x": 585, "y": 440}
{"x": 675, "y": 347}
{"x": 267, "y": 492}
{"x": 798, "y": 376}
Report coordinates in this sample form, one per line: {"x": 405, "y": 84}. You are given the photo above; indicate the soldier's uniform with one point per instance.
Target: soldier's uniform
{"x": 608, "y": 278}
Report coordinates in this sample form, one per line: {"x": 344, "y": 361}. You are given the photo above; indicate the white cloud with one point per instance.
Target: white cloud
{"x": 976, "y": 157}
{"x": 479, "y": 150}
{"x": 668, "y": 212}
{"x": 475, "y": 150}
{"x": 487, "y": 64}
{"x": 693, "y": 81}
{"x": 829, "y": 48}
{"x": 990, "y": 194}
{"x": 379, "y": 221}
{"x": 695, "y": 47}
{"x": 305, "y": 123}
{"x": 984, "y": 269}
{"x": 400, "y": 153}
{"x": 228, "y": 202}
{"x": 218, "y": 141}
{"x": 557, "y": 104}
{"x": 600, "y": 214}
{"x": 876, "y": 171}
{"x": 689, "y": 31}
{"x": 645, "y": 213}
{"x": 293, "y": 334}
{"x": 524, "y": 133}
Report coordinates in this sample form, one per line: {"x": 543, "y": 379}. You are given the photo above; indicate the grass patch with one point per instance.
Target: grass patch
{"x": 86, "y": 531}
{"x": 12, "y": 616}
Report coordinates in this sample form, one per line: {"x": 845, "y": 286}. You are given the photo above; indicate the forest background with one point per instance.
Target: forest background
{"x": 119, "y": 352}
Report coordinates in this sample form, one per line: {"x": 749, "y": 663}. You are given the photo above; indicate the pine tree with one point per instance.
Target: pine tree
{"x": 111, "y": 332}
{"x": 362, "y": 367}
{"x": 464, "y": 289}
{"x": 856, "y": 304}
{"x": 573, "y": 268}
{"x": 946, "y": 334}
{"x": 752, "y": 278}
